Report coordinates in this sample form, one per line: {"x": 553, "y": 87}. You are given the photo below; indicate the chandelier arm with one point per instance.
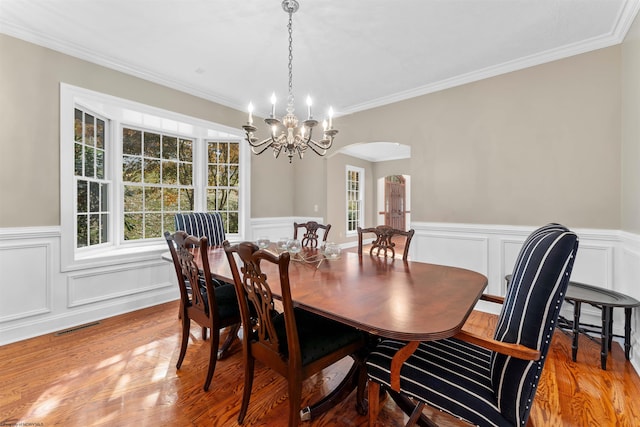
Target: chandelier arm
{"x": 313, "y": 146}
{"x": 263, "y": 146}
{"x": 260, "y": 151}
{"x": 261, "y": 143}
{"x": 308, "y": 138}
{"x": 321, "y": 145}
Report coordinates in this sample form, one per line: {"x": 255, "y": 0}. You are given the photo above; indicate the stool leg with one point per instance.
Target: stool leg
{"x": 576, "y": 330}
{"x": 610, "y": 327}
{"x": 627, "y": 331}
{"x": 604, "y": 336}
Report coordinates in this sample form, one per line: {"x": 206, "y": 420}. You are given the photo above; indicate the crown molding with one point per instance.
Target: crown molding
{"x": 616, "y": 36}
{"x": 623, "y": 23}
{"x": 90, "y": 56}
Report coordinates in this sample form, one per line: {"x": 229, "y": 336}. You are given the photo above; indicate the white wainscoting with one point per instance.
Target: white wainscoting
{"x": 606, "y": 258}
{"x": 274, "y": 228}
{"x": 36, "y": 297}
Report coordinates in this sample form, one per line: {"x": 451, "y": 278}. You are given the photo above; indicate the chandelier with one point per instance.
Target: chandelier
{"x": 286, "y": 134}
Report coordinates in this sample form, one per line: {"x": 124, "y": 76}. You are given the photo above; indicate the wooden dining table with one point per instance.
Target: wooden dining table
{"x": 391, "y": 298}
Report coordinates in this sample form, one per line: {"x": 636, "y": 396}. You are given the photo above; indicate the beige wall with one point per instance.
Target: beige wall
{"x": 309, "y": 178}
{"x": 29, "y": 117}
{"x": 524, "y": 148}
{"x": 336, "y": 195}
{"x": 631, "y": 129}
{"x": 536, "y": 145}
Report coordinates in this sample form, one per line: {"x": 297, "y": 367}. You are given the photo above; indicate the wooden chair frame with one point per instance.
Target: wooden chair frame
{"x": 261, "y": 339}
{"x": 383, "y": 242}
{"x": 513, "y": 350}
{"x": 196, "y": 304}
{"x": 310, "y": 237}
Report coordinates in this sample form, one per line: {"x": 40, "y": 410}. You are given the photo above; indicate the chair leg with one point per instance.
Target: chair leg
{"x": 232, "y": 334}
{"x": 415, "y": 415}
{"x": 374, "y": 402}
{"x": 213, "y": 357}
{"x": 361, "y": 405}
{"x": 186, "y": 325}
{"x": 295, "y": 399}
{"x": 204, "y": 333}
{"x": 248, "y": 384}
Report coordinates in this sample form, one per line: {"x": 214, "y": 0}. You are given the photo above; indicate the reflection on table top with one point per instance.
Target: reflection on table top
{"x": 391, "y": 298}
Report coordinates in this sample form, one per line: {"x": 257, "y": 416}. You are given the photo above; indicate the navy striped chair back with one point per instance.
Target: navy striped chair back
{"x": 529, "y": 315}
{"x": 199, "y": 224}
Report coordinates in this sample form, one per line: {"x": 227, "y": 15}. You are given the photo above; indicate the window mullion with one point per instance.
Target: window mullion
{"x": 115, "y": 169}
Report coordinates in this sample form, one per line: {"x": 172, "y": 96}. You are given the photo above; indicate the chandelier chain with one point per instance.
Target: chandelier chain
{"x": 290, "y": 27}
{"x": 289, "y": 134}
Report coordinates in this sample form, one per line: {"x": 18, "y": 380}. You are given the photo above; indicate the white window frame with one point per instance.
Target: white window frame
{"x": 361, "y": 195}
{"x": 122, "y": 112}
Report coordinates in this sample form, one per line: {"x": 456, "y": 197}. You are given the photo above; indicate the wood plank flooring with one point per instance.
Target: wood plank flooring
{"x": 122, "y": 373}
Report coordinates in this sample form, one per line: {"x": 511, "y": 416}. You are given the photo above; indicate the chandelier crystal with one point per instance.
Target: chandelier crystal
{"x": 286, "y": 133}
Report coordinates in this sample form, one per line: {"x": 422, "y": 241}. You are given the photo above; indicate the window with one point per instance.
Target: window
{"x": 91, "y": 185}
{"x": 355, "y": 198}
{"x": 127, "y": 168}
{"x": 157, "y": 177}
{"x": 223, "y": 186}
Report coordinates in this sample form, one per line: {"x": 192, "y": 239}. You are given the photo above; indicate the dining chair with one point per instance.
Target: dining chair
{"x": 310, "y": 237}
{"x": 210, "y": 306}
{"x": 294, "y": 342}
{"x": 485, "y": 381}
{"x": 200, "y": 224}
{"x": 383, "y": 243}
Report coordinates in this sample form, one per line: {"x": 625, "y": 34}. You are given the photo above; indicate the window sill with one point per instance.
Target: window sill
{"x": 119, "y": 256}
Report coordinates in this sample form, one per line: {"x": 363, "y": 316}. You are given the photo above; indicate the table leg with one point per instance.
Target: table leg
{"x": 346, "y": 386}
{"x": 604, "y": 337}
{"x": 576, "y": 330}
{"x": 627, "y": 332}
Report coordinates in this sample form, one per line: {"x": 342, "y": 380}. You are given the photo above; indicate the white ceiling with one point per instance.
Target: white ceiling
{"x": 352, "y": 55}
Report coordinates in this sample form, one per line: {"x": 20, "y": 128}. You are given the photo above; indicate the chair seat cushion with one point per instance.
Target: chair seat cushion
{"x": 449, "y": 374}
{"x": 225, "y": 298}
{"x": 318, "y": 335}
{"x": 227, "y": 301}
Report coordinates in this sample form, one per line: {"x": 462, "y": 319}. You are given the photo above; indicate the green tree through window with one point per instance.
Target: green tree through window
{"x": 157, "y": 174}
{"x": 223, "y": 181}
{"x": 92, "y": 187}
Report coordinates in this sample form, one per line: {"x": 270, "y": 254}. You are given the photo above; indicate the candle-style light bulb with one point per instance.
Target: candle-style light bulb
{"x": 324, "y": 125}
{"x": 330, "y": 117}
{"x": 273, "y": 105}
{"x": 274, "y": 129}
{"x": 309, "y": 107}
{"x": 302, "y": 132}
{"x": 250, "y": 113}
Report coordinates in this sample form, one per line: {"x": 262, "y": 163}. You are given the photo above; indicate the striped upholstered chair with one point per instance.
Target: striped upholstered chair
{"x": 487, "y": 382}
{"x": 208, "y": 224}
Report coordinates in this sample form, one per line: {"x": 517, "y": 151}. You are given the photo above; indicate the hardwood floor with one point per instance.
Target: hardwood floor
{"x": 122, "y": 373}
